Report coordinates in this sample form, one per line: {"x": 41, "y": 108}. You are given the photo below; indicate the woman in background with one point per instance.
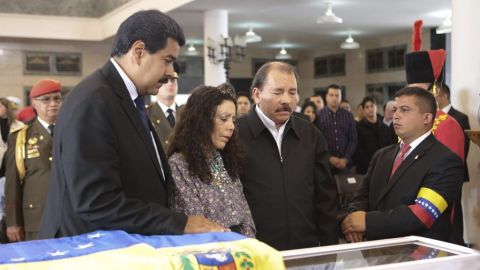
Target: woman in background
{"x": 309, "y": 109}
{"x": 7, "y": 125}
{"x": 205, "y": 158}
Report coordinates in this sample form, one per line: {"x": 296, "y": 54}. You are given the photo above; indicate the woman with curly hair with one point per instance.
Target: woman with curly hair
{"x": 205, "y": 157}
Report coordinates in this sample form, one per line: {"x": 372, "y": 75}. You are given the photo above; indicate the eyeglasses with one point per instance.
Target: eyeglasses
{"x": 48, "y": 99}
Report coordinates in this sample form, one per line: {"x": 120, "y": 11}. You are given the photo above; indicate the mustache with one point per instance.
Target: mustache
{"x": 164, "y": 80}
{"x": 284, "y": 108}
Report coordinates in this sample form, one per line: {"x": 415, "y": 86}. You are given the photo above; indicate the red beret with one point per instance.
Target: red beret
{"x": 26, "y": 114}
{"x": 44, "y": 87}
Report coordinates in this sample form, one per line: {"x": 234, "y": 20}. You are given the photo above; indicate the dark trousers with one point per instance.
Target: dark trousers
{"x": 3, "y": 231}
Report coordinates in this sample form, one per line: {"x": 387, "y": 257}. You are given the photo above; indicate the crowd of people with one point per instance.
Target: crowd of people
{"x": 226, "y": 160}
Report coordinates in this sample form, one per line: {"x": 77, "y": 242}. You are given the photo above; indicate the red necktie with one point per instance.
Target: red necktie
{"x": 400, "y": 157}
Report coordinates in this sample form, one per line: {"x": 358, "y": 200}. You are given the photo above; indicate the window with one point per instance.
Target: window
{"x": 329, "y": 66}
{"x": 396, "y": 57}
{"x": 383, "y": 91}
{"x": 51, "y": 63}
{"x": 386, "y": 59}
{"x": 375, "y": 60}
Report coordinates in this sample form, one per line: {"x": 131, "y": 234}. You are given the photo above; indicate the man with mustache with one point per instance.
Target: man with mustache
{"x": 109, "y": 170}
{"x": 410, "y": 188}
{"x": 286, "y": 180}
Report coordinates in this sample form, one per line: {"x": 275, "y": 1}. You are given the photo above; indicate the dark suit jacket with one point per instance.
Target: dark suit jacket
{"x": 160, "y": 122}
{"x": 105, "y": 173}
{"x": 292, "y": 197}
{"x": 25, "y": 198}
{"x": 386, "y": 201}
{"x": 370, "y": 138}
{"x": 462, "y": 119}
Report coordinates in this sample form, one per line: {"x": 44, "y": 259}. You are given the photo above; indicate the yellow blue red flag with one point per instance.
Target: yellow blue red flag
{"x": 120, "y": 250}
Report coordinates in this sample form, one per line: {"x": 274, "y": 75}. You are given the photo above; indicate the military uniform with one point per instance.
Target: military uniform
{"x": 25, "y": 197}
{"x": 160, "y": 123}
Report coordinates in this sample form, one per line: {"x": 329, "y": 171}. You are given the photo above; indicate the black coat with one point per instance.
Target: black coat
{"x": 386, "y": 201}
{"x": 370, "y": 138}
{"x": 462, "y": 119}
{"x": 293, "y": 197}
{"x": 105, "y": 172}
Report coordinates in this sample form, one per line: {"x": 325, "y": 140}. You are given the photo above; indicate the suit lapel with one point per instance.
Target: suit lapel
{"x": 159, "y": 120}
{"x": 128, "y": 106}
{"x": 413, "y": 157}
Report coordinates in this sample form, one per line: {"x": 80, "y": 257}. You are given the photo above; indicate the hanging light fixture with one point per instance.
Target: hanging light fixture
{"x": 329, "y": 16}
{"x": 349, "y": 43}
{"x": 251, "y": 37}
{"x": 446, "y": 26}
{"x": 191, "y": 49}
{"x": 283, "y": 54}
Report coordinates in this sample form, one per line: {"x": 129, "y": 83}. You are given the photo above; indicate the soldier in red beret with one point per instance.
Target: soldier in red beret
{"x": 28, "y": 163}
{"x": 423, "y": 69}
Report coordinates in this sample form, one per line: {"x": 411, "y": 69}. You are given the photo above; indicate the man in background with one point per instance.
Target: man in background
{"x": 338, "y": 126}
{"x": 443, "y": 101}
{"x": 164, "y": 112}
{"x": 391, "y": 137}
{"x": 345, "y": 104}
{"x": 371, "y": 134}
{"x": 243, "y": 103}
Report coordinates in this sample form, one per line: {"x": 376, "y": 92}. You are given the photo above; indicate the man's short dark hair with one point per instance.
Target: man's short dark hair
{"x": 150, "y": 26}
{"x": 333, "y": 86}
{"x": 423, "y": 99}
{"x": 444, "y": 90}
{"x": 243, "y": 94}
{"x": 368, "y": 99}
{"x": 262, "y": 73}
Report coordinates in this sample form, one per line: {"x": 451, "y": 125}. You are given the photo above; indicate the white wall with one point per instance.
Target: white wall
{"x": 465, "y": 95}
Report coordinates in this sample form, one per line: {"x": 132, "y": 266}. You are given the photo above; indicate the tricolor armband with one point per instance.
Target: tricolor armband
{"x": 428, "y": 206}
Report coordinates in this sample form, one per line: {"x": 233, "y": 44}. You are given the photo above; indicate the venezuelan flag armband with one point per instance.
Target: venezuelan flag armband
{"x": 428, "y": 206}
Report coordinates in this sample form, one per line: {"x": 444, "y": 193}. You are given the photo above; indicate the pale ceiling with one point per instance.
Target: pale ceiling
{"x": 289, "y": 23}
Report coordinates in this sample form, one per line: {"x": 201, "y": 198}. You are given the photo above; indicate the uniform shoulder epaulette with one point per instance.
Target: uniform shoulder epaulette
{"x": 19, "y": 128}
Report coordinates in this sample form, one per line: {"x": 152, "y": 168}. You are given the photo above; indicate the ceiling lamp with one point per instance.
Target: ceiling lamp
{"x": 191, "y": 49}
{"x": 329, "y": 16}
{"x": 349, "y": 44}
{"x": 282, "y": 54}
{"x": 446, "y": 26}
{"x": 251, "y": 37}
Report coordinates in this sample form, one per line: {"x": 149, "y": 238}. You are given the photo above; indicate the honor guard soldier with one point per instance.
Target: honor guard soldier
{"x": 28, "y": 160}
{"x": 423, "y": 69}
{"x": 164, "y": 112}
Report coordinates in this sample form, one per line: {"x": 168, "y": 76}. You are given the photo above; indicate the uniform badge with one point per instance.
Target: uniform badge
{"x": 32, "y": 141}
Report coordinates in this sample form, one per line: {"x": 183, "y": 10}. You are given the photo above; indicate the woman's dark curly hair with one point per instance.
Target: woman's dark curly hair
{"x": 192, "y": 134}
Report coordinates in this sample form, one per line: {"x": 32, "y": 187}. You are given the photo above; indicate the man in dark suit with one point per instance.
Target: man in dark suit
{"x": 287, "y": 182}
{"x": 109, "y": 170}
{"x": 443, "y": 101}
{"x": 164, "y": 113}
{"x": 411, "y": 190}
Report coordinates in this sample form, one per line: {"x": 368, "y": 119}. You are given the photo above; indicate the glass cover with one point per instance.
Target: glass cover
{"x": 368, "y": 257}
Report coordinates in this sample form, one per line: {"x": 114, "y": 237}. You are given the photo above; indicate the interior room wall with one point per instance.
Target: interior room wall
{"x": 13, "y": 79}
